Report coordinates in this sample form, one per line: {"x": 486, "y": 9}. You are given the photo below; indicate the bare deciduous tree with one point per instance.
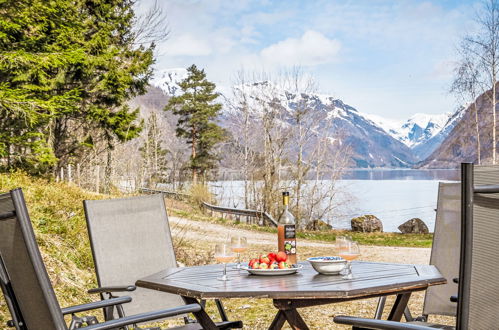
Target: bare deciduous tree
{"x": 287, "y": 143}
{"x": 484, "y": 47}
{"x": 468, "y": 87}
{"x": 152, "y": 26}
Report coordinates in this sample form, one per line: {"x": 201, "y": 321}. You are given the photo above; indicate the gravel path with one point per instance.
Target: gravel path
{"x": 201, "y": 231}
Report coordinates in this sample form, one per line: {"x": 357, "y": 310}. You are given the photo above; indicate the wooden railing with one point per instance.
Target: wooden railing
{"x": 263, "y": 217}
{"x": 172, "y": 194}
{"x": 249, "y": 216}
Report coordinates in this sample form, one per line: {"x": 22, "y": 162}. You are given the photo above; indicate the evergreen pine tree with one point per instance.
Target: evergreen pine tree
{"x": 35, "y": 52}
{"x": 196, "y": 110}
{"x": 67, "y": 70}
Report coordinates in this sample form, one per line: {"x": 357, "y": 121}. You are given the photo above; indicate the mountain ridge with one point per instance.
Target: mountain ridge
{"x": 406, "y": 142}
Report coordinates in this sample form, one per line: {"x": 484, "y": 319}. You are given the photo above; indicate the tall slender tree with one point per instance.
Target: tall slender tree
{"x": 153, "y": 153}
{"x": 197, "y": 110}
{"x": 484, "y": 47}
{"x": 467, "y": 87}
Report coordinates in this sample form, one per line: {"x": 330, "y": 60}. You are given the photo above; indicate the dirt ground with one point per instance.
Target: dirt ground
{"x": 258, "y": 313}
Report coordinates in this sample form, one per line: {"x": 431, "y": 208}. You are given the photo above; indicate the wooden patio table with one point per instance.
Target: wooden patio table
{"x": 303, "y": 289}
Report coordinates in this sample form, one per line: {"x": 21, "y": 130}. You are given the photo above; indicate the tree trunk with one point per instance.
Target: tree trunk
{"x": 108, "y": 172}
{"x": 478, "y": 146}
{"x": 193, "y": 156}
{"x": 246, "y": 156}
{"x": 494, "y": 102}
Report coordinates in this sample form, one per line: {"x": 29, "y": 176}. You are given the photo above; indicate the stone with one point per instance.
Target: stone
{"x": 367, "y": 224}
{"x": 414, "y": 226}
{"x": 318, "y": 225}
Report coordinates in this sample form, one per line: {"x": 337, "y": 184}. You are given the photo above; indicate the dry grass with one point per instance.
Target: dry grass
{"x": 57, "y": 214}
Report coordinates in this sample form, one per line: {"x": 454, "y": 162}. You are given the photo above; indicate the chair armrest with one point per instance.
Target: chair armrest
{"x": 105, "y": 289}
{"x": 453, "y": 299}
{"x": 145, "y": 317}
{"x": 378, "y": 324}
{"x": 96, "y": 305}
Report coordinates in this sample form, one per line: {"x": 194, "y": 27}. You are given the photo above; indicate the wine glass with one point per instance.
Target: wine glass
{"x": 238, "y": 244}
{"x": 348, "y": 250}
{"x": 224, "y": 254}
{"x": 341, "y": 246}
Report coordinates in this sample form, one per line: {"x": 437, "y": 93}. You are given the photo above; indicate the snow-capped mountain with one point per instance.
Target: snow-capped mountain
{"x": 375, "y": 141}
{"x": 168, "y": 80}
{"x": 421, "y": 132}
{"x": 370, "y": 145}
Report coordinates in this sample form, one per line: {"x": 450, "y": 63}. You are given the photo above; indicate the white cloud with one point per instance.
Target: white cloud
{"x": 186, "y": 45}
{"x": 310, "y": 49}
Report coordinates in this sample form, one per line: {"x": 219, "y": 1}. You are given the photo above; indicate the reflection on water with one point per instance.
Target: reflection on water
{"x": 394, "y": 196}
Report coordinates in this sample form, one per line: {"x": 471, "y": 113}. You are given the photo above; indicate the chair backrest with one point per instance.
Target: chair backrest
{"x": 445, "y": 250}
{"x": 130, "y": 239}
{"x": 478, "y": 304}
{"x": 25, "y": 281}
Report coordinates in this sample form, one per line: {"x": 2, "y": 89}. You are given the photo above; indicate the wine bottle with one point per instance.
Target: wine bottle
{"x": 286, "y": 231}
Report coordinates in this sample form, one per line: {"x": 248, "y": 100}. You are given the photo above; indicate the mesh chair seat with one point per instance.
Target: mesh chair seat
{"x": 477, "y": 303}
{"x": 26, "y": 286}
{"x": 130, "y": 239}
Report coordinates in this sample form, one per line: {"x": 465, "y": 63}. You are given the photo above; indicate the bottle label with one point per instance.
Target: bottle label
{"x": 289, "y": 231}
{"x": 290, "y": 239}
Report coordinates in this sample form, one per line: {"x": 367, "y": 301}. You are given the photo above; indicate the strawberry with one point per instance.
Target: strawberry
{"x": 256, "y": 265}
{"x": 283, "y": 265}
{"x": 264, "y": 259}
{"x": 264, "y": 266}
{"x": 251, "y": 262}
{"x": 281, "y": 256}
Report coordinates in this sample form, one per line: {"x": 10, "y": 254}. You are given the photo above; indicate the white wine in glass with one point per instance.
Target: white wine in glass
{"x": 224, "y": 254}
{"x": 238, "y": 244}
{"x": 349, "y": 251}
{"x": 341, "y": 246}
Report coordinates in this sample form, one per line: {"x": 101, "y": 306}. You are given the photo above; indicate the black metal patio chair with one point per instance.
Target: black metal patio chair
{"x": 130, "y": 239}
{"x": 478, "y": 298}
{"x": 444, "y": 255}
{"x": 26, "y": 286}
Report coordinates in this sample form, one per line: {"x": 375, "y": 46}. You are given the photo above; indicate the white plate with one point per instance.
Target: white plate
{"x": 273, "y": 272}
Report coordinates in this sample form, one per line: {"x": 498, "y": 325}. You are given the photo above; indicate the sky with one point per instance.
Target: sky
{"x": 388, "y": 58}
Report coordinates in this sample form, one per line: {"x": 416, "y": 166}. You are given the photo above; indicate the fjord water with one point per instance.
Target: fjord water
{"x": 394, "y": 196}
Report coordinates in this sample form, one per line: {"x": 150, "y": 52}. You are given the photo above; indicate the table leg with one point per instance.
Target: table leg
{"x": 287, "y": 312}
{"x": 278, "y": 321}
{"x": 295, "y": 320}
{"x": 202, "y": 317}
{"x": 380, "y": 308}
{"x": 399, "y": 306}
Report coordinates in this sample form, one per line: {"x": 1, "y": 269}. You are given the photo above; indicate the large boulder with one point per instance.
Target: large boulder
{"x": 318, "y": 225}
{"x": 414, "y": 226}
{"x": 367, "y": 224}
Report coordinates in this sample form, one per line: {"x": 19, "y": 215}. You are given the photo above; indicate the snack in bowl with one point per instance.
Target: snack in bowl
{"x": 271, "y": 264}
{"x": 270, "y": 261}
{"x": 330, "y": 265}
